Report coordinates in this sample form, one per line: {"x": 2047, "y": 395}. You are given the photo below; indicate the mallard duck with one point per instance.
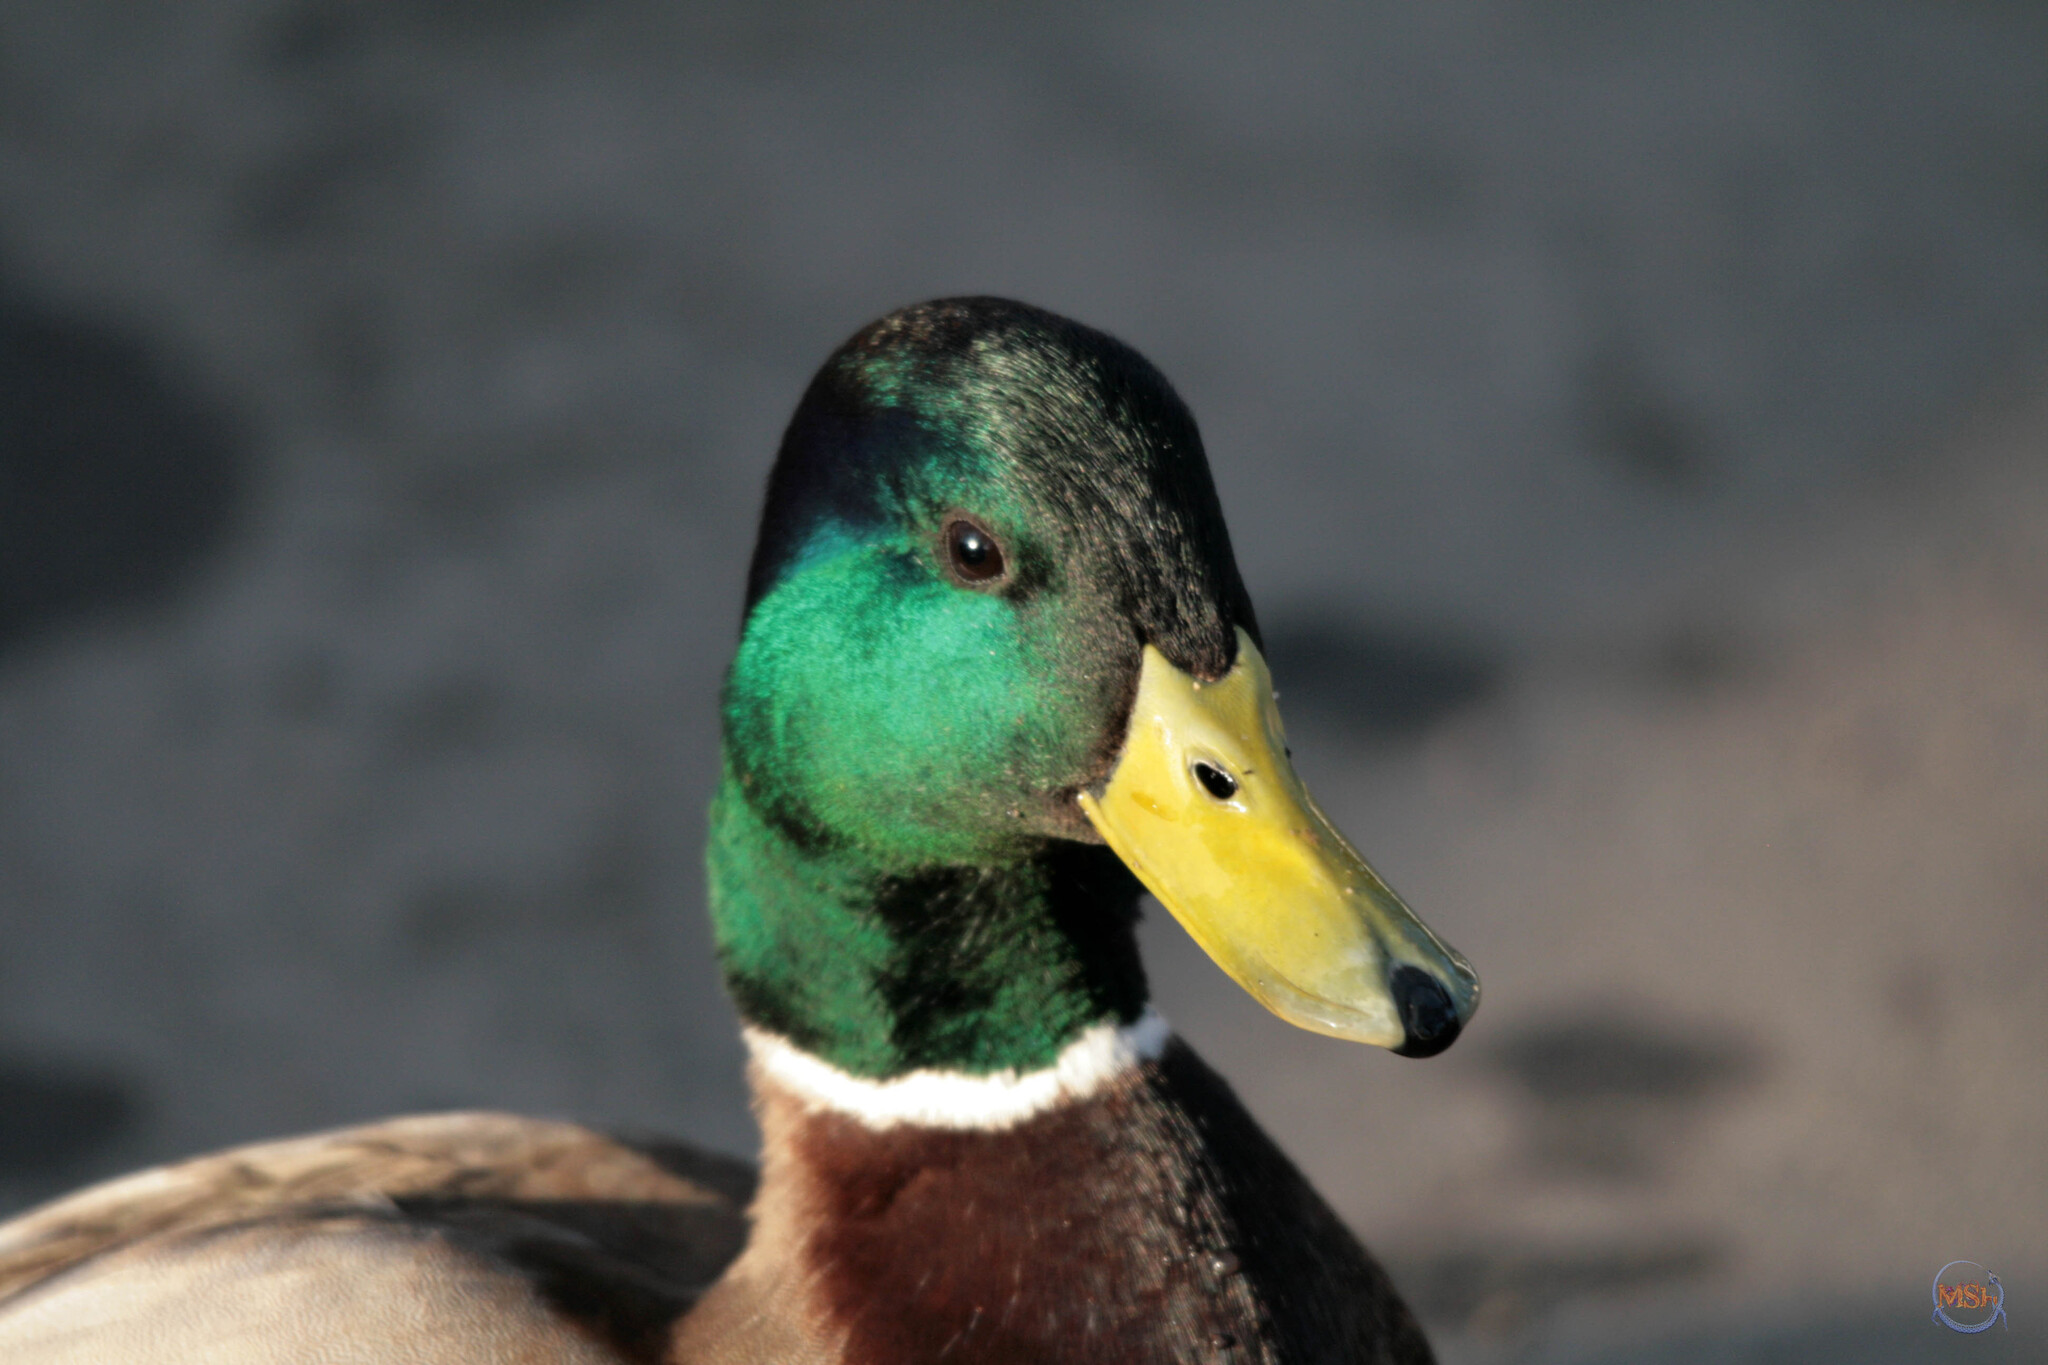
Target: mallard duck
{"x": 997, "y": 673}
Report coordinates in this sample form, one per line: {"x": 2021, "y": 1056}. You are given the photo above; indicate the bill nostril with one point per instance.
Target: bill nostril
{"x": 1428, "y": 1018}
{"x": 1215, "y": 780}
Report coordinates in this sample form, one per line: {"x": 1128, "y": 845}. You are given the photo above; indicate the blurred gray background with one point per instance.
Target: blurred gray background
{"x": 1634, "y": 424}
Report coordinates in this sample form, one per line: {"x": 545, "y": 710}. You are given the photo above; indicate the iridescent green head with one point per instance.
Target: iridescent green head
{"x": 981, "y": 512}
{"x": 990, "y": 540}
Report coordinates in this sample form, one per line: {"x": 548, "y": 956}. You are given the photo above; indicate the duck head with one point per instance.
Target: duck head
{"x": 995, "y": 643}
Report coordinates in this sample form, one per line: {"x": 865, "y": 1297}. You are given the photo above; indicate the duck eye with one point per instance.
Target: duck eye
{"x": 1215, "y": 781}
{"x": 975, "y": 556}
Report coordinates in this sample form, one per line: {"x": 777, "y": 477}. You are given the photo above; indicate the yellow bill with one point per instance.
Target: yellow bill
{"x": 1205, "y": 808}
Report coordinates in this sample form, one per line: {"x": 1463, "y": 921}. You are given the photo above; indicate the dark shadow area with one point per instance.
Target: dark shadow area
{"x": 625, "y": 1270}
{"x": 730, "y": 1177}
{"x": 1496, "y": 1291}
{"x": 1640, "y": 430}
{"x": 1374, "y": 680}
{"x": 116, "y": 479}
{"x": 1569, "y": 1060}
{"x": 320, "y": 33}
{"x": 1614, "y": 1095}
{"x": 1698, "y": 656}
{"x": 52, "y": 1119}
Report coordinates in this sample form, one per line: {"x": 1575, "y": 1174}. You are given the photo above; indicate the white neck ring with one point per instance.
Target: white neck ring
{"x": 962, "y": 1100}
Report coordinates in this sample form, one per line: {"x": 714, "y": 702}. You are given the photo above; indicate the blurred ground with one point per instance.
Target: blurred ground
{"x": 1761, "y": 934}
{"x": 1631, "y": 421}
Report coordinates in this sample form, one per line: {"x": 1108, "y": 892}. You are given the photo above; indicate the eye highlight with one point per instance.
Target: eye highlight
{"x": 973, "y": 554}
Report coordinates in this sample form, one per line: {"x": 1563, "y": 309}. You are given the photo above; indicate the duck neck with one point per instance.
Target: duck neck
{"x": 880, "y": 973}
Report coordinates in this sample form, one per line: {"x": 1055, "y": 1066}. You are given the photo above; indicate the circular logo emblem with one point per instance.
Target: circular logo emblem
{"x": 1967, "y": 1297}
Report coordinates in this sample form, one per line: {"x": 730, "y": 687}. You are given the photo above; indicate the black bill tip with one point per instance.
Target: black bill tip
{"x": 1428, "y": 1018}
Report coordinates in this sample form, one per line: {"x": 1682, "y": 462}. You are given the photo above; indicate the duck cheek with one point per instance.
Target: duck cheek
{"x": 951, "y": 730}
